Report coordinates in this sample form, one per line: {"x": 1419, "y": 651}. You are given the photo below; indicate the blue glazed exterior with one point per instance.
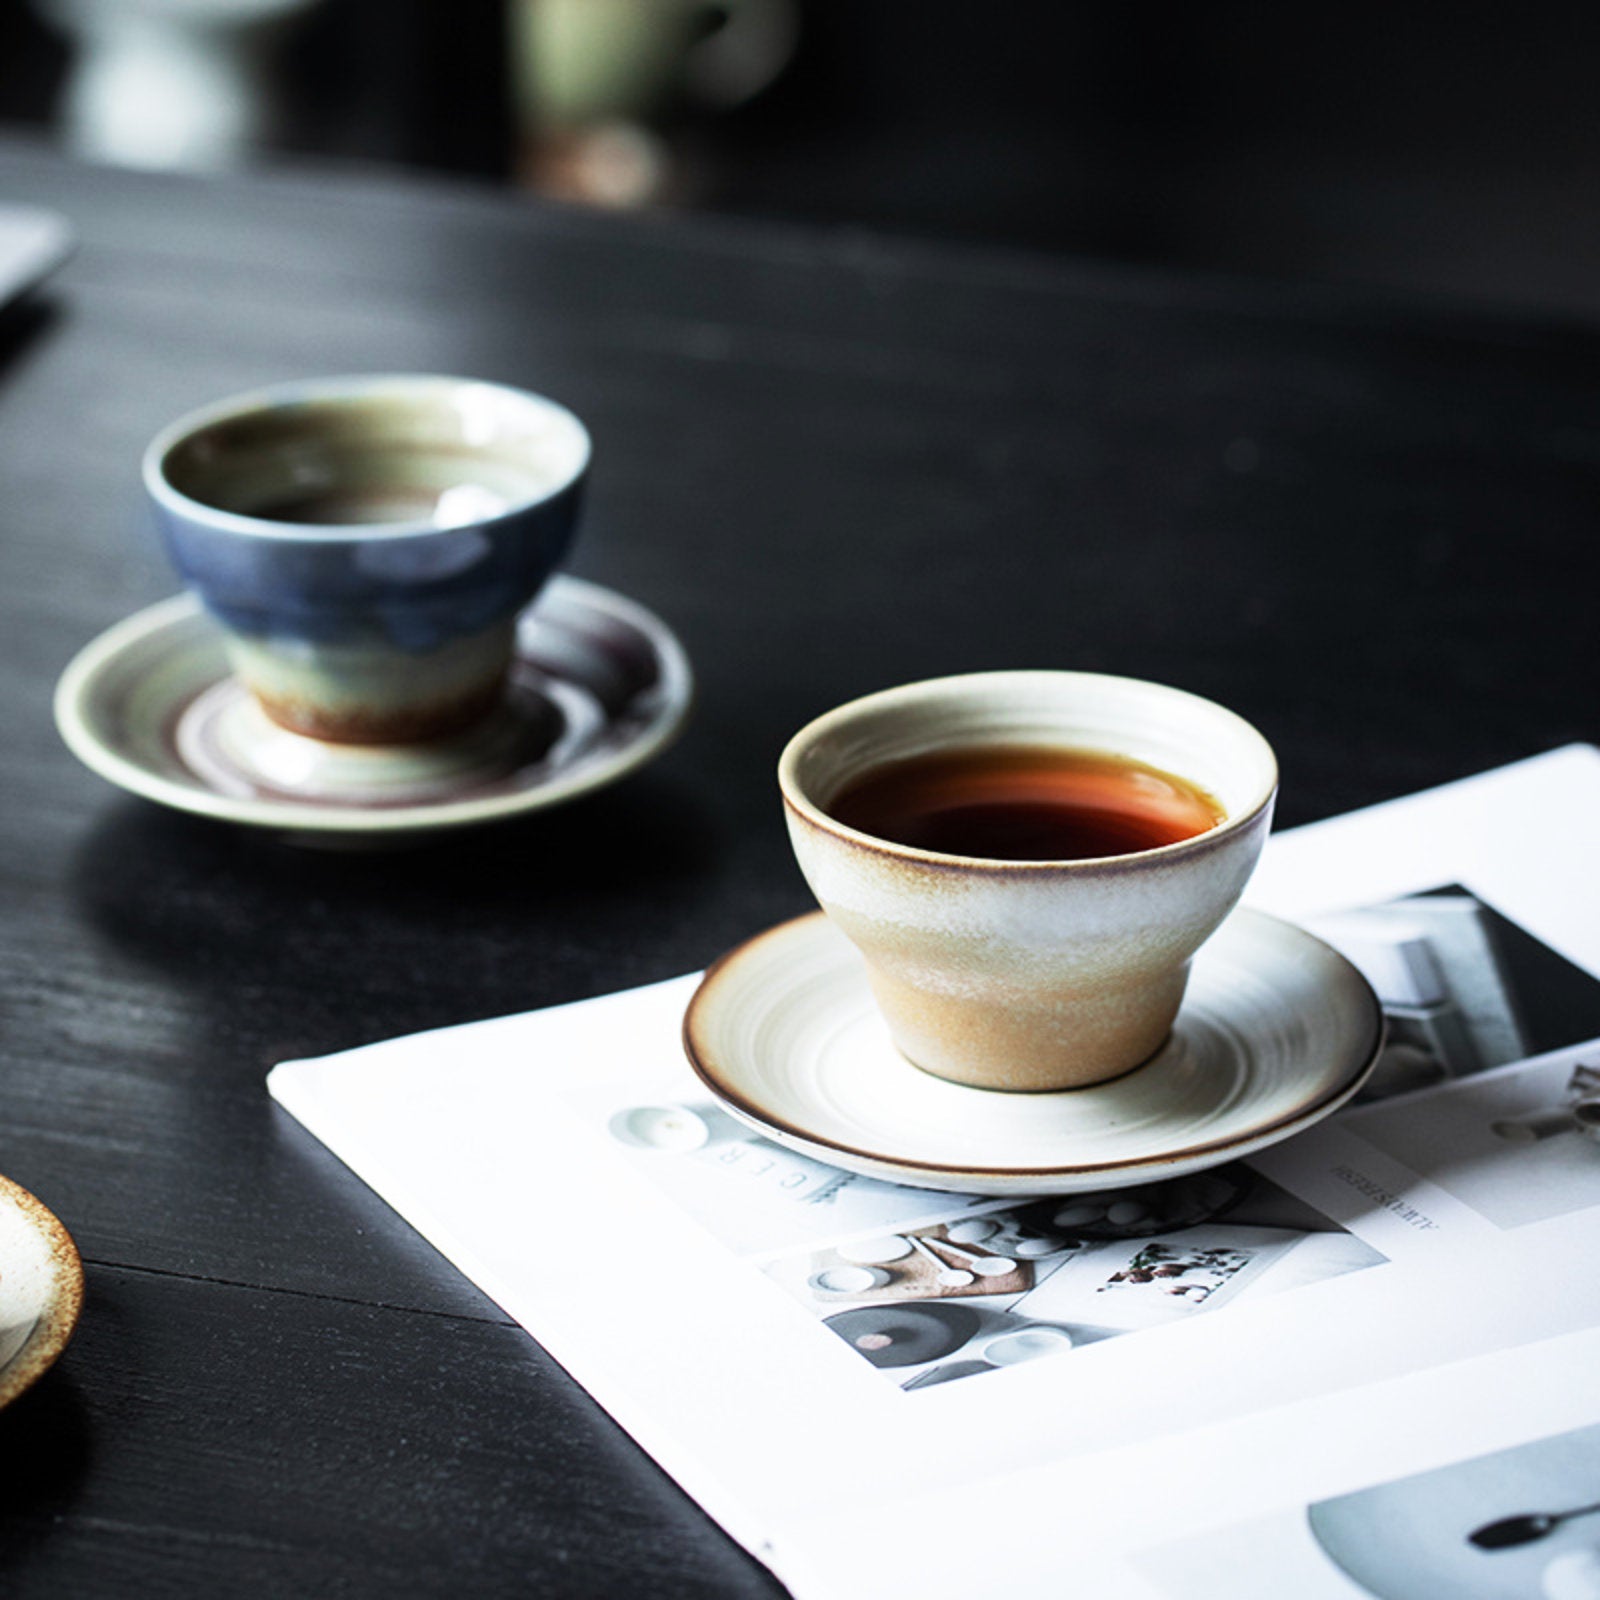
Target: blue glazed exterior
{"x": 367, "y": 543}
{"x": 415, "y": 587}
{"x": 416, "y": 591}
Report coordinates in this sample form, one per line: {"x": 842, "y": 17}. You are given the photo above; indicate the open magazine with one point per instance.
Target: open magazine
{"x": 1361, "y": 1362}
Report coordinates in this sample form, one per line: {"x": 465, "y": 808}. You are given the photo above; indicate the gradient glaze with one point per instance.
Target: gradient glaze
{"x": 370, "y": 631}
{"x": 1029, "y": 975}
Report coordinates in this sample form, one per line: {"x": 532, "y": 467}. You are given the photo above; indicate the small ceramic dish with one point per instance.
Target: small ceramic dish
{"x": 674, "y": 1128}
{"x": 1276, "y": 1031}
{"x": 905, "y": 1335}
{"x": 849, "y": 1279}
{"x": 41, "y": 1289}
{"x": 600, "y": 686}
{"x": 1025, "y": 1344}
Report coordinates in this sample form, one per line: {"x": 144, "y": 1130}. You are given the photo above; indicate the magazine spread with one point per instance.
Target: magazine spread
{"x": 1360, "y": 1362}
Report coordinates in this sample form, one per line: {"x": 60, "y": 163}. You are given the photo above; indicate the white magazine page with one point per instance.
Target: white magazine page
{"x": 749, "y": 1316}
{"x": 1378, "y": 1491}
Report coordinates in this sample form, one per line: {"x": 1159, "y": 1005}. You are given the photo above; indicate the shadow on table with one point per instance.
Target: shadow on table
{"x": 24, "y": 321}
{"x": 44, "y": 1442}
{"x": 482, "y": 921}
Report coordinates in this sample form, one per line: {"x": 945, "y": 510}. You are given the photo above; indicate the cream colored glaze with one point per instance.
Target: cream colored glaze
{"x": 372, "y": 693}
{"x": 1029, "y": 975}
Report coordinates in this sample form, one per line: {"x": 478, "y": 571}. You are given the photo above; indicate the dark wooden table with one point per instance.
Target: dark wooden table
{"x": 831, "y": 462}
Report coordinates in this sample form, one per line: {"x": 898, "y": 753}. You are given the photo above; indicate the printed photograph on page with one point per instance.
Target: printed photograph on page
{"x": 1520, "y": 1522}
{"x": 1488, "y": 1088}
{"x": 930, "y": 1287}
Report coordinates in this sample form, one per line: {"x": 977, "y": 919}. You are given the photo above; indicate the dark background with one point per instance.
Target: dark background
{"x": 830, "y": 464}
{"x": 1449, "y": 151}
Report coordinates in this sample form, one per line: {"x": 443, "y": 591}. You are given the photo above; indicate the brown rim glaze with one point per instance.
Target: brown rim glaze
{"x": 704, "y": 1069}
{"x": 60, "y": 1316}
{"x": 807, "y": 810}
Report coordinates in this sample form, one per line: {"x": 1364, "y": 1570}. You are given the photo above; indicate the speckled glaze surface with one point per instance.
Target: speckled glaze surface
{"x": 598, "y": 687}
{"x": 1029, "y": 975}
{"x": 367, "y": 542}
{"x": 1277, "y": 1031}
{"x": 41, "y": 1289}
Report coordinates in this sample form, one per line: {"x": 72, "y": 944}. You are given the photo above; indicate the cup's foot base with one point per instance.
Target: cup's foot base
{"x": 366, "y": 691}
{"x": 1026, "y": 1083}
{"x": 1060, "y": 1033}
{"x": 425, "y": 724}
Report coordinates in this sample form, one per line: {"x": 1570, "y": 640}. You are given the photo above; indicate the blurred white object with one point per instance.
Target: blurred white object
{"x": 33, "y": 243}
{"x": 167, "y": 83}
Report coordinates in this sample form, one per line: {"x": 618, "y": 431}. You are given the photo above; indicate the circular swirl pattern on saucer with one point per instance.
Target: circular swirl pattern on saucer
{"x": 599, "y": 687}
{"x": 1277, "y": 1030}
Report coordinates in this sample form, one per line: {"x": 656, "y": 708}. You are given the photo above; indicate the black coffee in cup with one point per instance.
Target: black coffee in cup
{"x": 1025, "y": 803}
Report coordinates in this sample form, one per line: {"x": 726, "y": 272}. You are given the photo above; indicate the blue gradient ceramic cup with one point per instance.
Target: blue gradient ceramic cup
{"x": 366, "y": 543}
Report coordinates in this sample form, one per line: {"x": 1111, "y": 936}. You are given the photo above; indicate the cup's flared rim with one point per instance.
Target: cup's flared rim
{"x": 1238, "y": 820}
{"x": 346, "y": 388}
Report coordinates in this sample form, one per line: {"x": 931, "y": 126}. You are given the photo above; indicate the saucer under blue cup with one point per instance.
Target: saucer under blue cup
{"x": 599, "y": 686}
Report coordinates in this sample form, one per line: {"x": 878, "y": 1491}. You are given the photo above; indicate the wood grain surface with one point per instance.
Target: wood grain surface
{"x": 830, "y": 461}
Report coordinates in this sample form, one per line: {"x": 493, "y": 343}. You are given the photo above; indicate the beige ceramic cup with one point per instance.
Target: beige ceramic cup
{"x": 1029, "y": 975}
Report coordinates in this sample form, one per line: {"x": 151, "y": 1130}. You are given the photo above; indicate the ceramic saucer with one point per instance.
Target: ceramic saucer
{"x": 1276, "y": 1031}
{"x": 599, "y": 687}
{"x": 41, "y": 1289}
